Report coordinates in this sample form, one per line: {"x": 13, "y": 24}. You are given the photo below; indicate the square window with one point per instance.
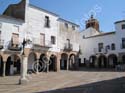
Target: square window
{"x": 53, "y": 40}
{"x": 66, "y": 25}
{"x": 73, "y": 27}
{"x": 100, "y": 47}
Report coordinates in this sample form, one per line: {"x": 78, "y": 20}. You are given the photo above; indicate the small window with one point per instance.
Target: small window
{"x": 83, "y": 36}
{"x": 123, "y": 26}
{"x": 53, "y": 40}
{"x": 73, "y": 27}
{"x": 15, "y": 38}
{"x": 123, "y": 43}
{"x": 66, "y": 25}
{"x": 108, "y": 47}
{"x": 113, "y": 46}
{"x": 47, "y": 22}
{"x": 100, "y": 46}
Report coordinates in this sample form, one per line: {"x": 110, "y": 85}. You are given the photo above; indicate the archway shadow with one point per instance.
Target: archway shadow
{"x": 107, "y": 86}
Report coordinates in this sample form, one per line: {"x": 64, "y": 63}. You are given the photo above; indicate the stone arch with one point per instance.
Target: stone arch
{"x": 102, "y": 61}
{"x": 72, "y": 61}
{"x": 42, "y": 62}
{"x": 63, "y": 61}
{"x": 112, "y": 60}
{"x": 1, "y": 65}
{"x": 13, "y": 65}
{"x": 93, "y": 60}
{"x": 31, "y": 59}
{"x": 52, "y": 62}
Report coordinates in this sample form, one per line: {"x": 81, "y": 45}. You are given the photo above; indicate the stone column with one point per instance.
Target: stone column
{"x": 23, "y": 79}
{"x": 37, "y": 69}
{"x": 4, "y": 69}
{"x": 38, "y": 57}
{"x": 68, "y": 63}
{"x": 58, "y": 62}
{"x": 47, "y": 63}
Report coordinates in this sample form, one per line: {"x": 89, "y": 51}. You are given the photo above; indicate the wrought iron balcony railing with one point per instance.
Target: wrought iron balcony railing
{"x": 40, "y": 43}
{"x": 102, "y": 51}
{"x": 14, "y": 47}
{"x": 68, "y": 47}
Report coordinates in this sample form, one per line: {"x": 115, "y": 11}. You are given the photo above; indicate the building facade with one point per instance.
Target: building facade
{"x": 103, "y": 49}
{"x": 31, "y": 36}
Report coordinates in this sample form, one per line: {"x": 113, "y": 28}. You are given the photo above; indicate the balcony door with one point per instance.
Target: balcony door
{"x": 42, "y": 39}
{"x": 15, "y": 39}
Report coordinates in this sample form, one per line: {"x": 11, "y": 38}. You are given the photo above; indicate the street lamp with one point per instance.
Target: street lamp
{"x": 23, "y": 79}
{"x": 24, "y": 44}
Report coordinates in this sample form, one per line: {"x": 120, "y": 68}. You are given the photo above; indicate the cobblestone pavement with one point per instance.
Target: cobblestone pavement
{"x": 67, "y": 82}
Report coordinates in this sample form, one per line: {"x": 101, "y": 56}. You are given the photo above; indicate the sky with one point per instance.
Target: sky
{"x": 78, "y": 11}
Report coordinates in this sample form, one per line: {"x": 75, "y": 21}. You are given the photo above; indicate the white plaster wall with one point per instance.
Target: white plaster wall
{"x": 73, "y": 35}
{"x": 89, "y": 32}
{"x": 89, "y": 44}
{"x": 35, "y": 20}
{"x": 8, "y": 27}
{"x": 120, "y": 33}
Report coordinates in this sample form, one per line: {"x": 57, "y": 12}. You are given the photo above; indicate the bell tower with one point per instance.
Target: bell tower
{"x": 92, "y": 22}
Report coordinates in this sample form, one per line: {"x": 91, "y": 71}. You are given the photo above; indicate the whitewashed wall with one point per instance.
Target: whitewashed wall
{"x": 35, "y": 20}
{"x": 88, "y": 44}
{"x": 9, "y": 26}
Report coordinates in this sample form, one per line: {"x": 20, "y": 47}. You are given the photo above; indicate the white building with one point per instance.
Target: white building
{"x": 30, "y": 36}
{"x": 34, "y": 36}
{"x": 103, "y": 49}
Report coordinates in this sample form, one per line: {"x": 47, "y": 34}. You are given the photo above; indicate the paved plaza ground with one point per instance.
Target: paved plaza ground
{"x": 83, "y": 81}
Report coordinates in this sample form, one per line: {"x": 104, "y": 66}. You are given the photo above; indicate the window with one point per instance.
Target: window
{"x": 113, "y": 46}
{"x": 123, "y": 42}
{"x": 66, "y": 25}
{"x": 100, "y": 47}
{"x": 15, "y": 39}
{"x": 53, "y": 39}
{"x": 42, "y": 39}
{"x": 108, "y": 47}
{"x": 47, "y": 22}
{"x": 123, "y": 26}
{"x": 83, "y": 36}
{"x": 73, "y": 27}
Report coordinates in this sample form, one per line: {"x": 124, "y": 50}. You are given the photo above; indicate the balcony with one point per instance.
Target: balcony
{"x": 1, "y": 44}
{"x": 103, "y": 51}
{"x": 38, "y": 44}
{"x": 14, "y": 47}
{"x": 68, "y": 47}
